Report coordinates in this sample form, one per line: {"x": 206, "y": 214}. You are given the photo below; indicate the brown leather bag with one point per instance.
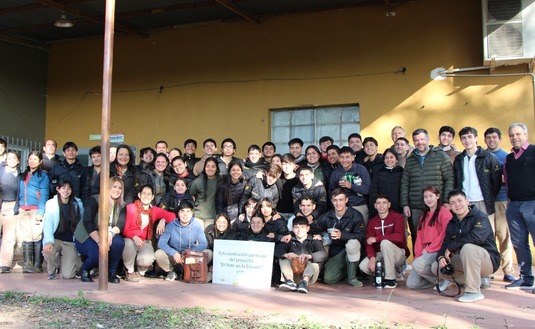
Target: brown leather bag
{"x": 297, "y": 266}
{"x": 195, "y": 266}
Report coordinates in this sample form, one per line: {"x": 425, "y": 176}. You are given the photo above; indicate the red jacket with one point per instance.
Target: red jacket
{"x": 132, "y": 229}
{"x": 394, "y": 231}
{"x": 430, "y": 237}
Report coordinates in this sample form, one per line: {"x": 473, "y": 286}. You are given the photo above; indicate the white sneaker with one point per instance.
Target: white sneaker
{"x": 470, "y": 297}
{"x": 442, "y": 285}
{"x": 486, "y": 282}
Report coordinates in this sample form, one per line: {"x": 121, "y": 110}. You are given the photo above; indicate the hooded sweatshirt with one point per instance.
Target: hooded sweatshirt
{"x": 178, "y": 237}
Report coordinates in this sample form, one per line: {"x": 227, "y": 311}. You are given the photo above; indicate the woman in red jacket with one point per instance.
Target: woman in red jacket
{"x": 431, "y": 231}
{"x": 138, "y": 232}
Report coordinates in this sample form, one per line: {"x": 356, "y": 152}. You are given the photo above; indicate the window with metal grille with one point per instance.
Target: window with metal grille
{"x": 312, "y": 123}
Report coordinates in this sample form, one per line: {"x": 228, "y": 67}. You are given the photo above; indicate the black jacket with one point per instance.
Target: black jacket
{"x": 48, "y": 164}
{"x": 279, "y": 227}
{"x": 309, "y": 246}
{"x": 211, "y": 235}
{"x": 251, "y": 169}
{"x": 375, "y": 165}
{"x": 386, "y": 181}
{"x": 93, "y": 179}
{"x": 189, "y": 178}
{"x": 351, "y": 225}
{"x": 236, "y": 193}
{"x": 171, "y": 200}
{"x": 474, "y": 228}
{"x": 133, "y": 180}
{"x": 248, "y": 235}
{"x": 76, "y": 173}
{"x": 223, "y": 167}
{"x": 489, "y": 175}
{"x": 316, "y": 192}
{"x": 285, "y": 186}
{"x": 257, "y": 188}
{"x": 191, "y": 160}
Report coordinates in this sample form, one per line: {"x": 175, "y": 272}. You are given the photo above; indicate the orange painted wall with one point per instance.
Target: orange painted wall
{"x": 220, "y": 80}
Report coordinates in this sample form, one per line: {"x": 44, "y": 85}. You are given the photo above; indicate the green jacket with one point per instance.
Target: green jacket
{"x": 435, "y": 171}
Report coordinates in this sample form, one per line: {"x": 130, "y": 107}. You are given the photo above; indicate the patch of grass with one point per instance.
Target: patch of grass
{"x": 79, "y": 312}
{"x": 10, "y": 294}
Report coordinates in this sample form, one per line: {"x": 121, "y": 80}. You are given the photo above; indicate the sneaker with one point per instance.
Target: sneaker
{"x": 470, "y": 297}
{"x": 5, "y": 269}
{"x": 442, "y": 285}
{"x": 355, "y": 283}
{"x": 52, "y": 276}
{"x": 390, "y": 284}
{"x": 486, "y": 282}
{"x": 94, "y": 272}
{"x": 509, "y": 278}
{"x": 289, "y": 285}
{"x": 131, "y": 277}
{"x": 520, "y": 284}
{"x": 171, "y": 276}
{"x": 303, "y": 287}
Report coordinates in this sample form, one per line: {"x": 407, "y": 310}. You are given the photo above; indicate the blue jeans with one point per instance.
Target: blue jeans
{"x": 521, "y": 221}
{"x": 89, "y": 249}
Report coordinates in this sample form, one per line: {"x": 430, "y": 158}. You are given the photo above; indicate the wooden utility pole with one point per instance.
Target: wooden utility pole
{"x": 104, "y": 203}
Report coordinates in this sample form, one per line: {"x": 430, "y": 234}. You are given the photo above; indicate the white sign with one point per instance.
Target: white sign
{"x": 243, "y": 263}
{"x": 114, "y": 138}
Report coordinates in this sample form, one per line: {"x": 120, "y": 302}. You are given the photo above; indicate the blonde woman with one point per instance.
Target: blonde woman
{"x": 87, "y": 237}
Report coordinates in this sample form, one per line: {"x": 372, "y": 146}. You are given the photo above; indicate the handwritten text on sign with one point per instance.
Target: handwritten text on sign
{"x": 243, "y": 263}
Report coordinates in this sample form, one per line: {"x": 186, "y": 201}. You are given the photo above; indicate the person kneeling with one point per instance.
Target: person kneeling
{"x": 385, "y": 238}
{"x": 345, "y": 227}
{"x": 184, "y": 233}
{"x": 301, "y": 256}
{"x": 469, "y": 245}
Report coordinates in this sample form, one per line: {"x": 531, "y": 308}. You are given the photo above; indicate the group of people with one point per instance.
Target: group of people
{"x": 333, "y": 212}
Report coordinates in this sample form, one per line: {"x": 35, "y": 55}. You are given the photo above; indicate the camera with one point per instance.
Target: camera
{"x": 447, "y": 270}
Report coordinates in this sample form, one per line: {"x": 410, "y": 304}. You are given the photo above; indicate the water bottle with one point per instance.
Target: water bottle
{"x": 379, "y": 274}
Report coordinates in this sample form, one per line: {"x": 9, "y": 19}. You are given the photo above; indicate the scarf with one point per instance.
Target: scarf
{"x": 142, "y": 211}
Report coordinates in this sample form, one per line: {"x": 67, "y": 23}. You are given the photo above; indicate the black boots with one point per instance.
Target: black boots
{"x": 28, "y": 260}
{"x": 38, "y": 257}
{"x": 112, "y": 278}
{"x": 85, "y": 277}
{"x": 32, "y": 253}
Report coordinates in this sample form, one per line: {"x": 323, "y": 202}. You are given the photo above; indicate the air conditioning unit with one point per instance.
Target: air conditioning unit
{"x": 509, "y": 30}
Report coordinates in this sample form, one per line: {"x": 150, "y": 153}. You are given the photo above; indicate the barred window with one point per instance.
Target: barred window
{"x": 312, "y": 123}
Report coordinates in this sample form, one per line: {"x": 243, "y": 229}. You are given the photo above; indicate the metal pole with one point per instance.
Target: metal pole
{"x": 104, "y": 208}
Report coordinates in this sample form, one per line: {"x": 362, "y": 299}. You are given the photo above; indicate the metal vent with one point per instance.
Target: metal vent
{"x": 509, "y": 29}
{"x": 504, "y": 10}
{"x": 505, "y": 40}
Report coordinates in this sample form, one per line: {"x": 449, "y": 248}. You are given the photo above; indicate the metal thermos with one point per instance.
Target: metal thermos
{"x": 379, "y": 275}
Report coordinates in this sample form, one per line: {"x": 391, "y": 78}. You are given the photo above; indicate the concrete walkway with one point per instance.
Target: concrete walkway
{"x": 334, "y": 305}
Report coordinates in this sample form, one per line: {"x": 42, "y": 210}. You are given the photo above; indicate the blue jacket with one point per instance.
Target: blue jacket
{"x": 35, "y": 193}
{"x": 51, "y": 221}
{"x": 178, "y": 238}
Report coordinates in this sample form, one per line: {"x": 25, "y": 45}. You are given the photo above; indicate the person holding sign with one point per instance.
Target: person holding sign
{"x": 255, "y": 232}
{"x": 301, "y": 256}
{"x": 221, "y": 229}
{"x": 184, "y": 233}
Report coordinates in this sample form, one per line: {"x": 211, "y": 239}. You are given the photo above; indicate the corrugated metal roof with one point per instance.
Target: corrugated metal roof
{"x": 31, "y": 22}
